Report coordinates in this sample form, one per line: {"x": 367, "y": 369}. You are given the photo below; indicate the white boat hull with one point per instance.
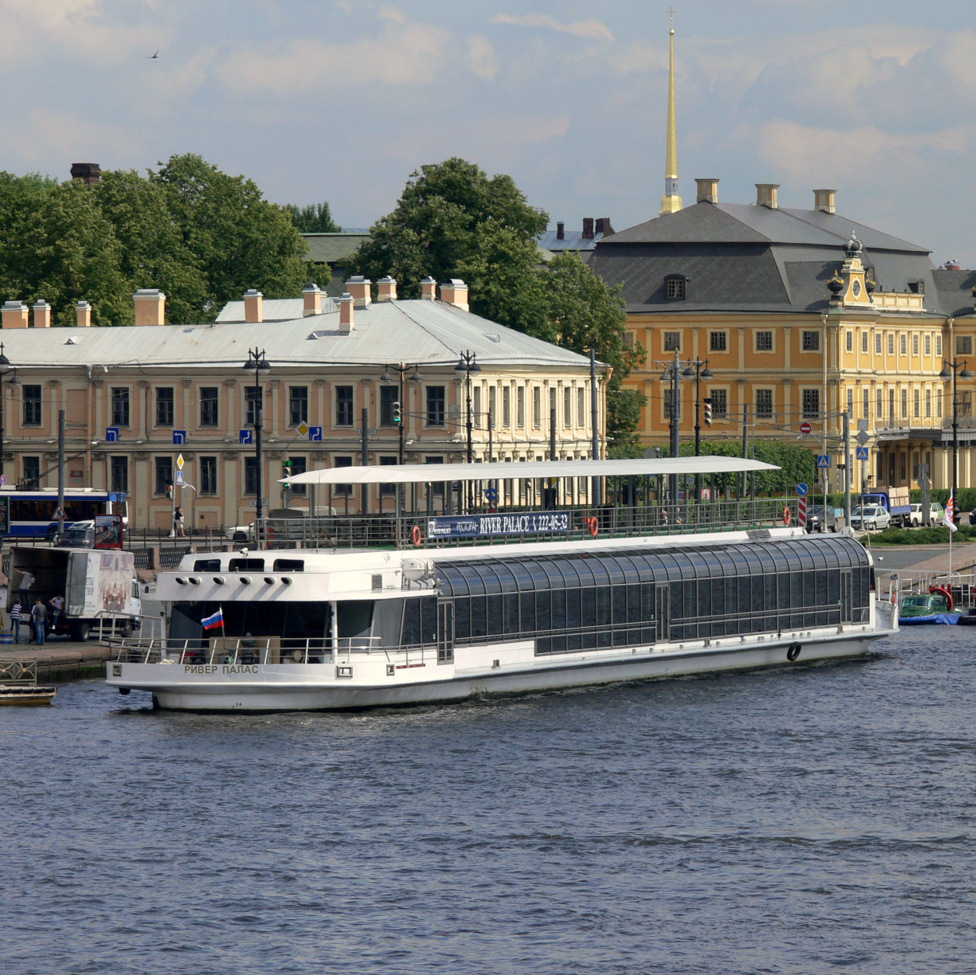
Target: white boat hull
{"x": 371, "y": 681}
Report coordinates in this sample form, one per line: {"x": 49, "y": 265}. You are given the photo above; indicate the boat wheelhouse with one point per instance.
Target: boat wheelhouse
{"x": 596, "y": 596}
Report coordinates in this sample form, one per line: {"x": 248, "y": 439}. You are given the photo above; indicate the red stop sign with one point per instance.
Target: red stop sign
{"x": 805, "y": 428}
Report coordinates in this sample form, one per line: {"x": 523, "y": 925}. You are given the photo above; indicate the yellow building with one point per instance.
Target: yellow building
{"x": 790, "y": 318}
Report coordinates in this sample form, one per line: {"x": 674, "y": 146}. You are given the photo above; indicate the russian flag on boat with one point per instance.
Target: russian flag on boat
{"x": 209, "y": 622}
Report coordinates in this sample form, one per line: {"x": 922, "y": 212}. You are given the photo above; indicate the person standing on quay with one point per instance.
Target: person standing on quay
{"x": 39, "y": 617}
{"x": 178, "y": 522}
{"x": 15, "y": 617}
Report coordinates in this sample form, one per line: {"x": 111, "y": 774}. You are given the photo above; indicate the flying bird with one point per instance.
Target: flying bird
{"x": 152, "y": 57}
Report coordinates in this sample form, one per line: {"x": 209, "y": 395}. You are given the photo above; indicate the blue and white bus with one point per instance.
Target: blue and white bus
{"x": 33, "y": 514}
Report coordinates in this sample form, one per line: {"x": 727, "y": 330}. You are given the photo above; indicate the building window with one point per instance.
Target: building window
{"x": 864, "y": 341}
{"x": 537, "y": 406}
{"x": 476, "y": 421}
{"x": 120, "y": 406}
{"x": 343, "y": 406}
{"x": 849, "y": 338}
{"x": 811, "y": 404}
{"x": 764, "y": 341}
{"x": 251, "y": 475}
{"x": 915, "y": 343}
{"x": 938, "y": 345}
{"x": 209, "y": 413}
{"x": 492, "y": 409}
{"x": 891, "y": 343}
{"x": 435, "y": 406}
{"x": 581, "y": 406}
{"x": 342, "y": 489}
{"x": 928, "y": 344}
{"x": 850, "y": 402}
{"x": 672, "y": 341}
{"x": 880, "y": 406}
{"x": 567, "y": 406}
{"x": 164, "y": 406}
{"x": 297, "y": 405}
{"x": 387, "y": 487}
{"x": 865, "y": 402}
{"x": 916, "y": 404}
{"x": 506, "y": 407}
{"x": 254, "y": 397}
{"x": 164, "y": 474}
{"x": 674, "y": 287}
{"x": 720, "y": 402}
{"x": 520, "y": 407}
{"x": 718, "y": 341}
{"x": 32, "y": 405}
{"x": 299, "y": 465}
{"x": 811, "y": 341}
{"x": 764, "y": 403}
{"x": 891, "y": 406}
{"x": 938, "y": 403}
{"x": 627, "y": 340}
{"x": 32, "y": 472}
{"x": 668, "y": 401}
{"x": 964, "y": 345}
{"x": 904, "y": 404}
{"x": 877, "y": 343}
{"x": 928, "y": 403}
{"x": 119, "y": 475}
{"x": 903, "y": 343}
{"x": 388, "y": 396}
{"x": 208, "y": 476}
{"x": 965, "y": 402}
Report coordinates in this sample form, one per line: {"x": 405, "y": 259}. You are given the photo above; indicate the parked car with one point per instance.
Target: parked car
{"x": 936, "y": 514}
{"x": 957, "y": 516}
{"x": 821, "y": 519}
{"x": 86, "y": 534}
{"x": 870, "y": 517}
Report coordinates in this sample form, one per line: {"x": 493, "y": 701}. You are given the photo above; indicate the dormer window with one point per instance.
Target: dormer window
{"x": 674, "y": 287}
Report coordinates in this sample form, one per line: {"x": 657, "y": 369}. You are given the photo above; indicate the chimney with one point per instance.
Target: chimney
{"x": 951, "y": 265}
{"x": 83, "y": 311}
{"x": 825, "y": 201}
{"x": 89, "y": 173}
{"x": 13, "y": 314}
{"x": 386, "y": 289}
{"x": 607, "y": 227}
{"x": 560, "y": 230}
{"x": 253, "y": 306}
{"x": 346, "y": 314}
{"x": 358, "y": 287}
{"x": 707, "y": 190}
{"x": 42, "y": 314}
{"x": 150, "y": 306}
{"x": 428, "y": 289}
{"x": 587, "y": 228}
{"x": 455, "y": 292}
{"x": 312, "y": 297}
{"x": 766, "y": 195}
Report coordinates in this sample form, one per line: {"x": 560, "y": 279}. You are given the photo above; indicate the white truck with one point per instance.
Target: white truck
{"x": 99, "y": 586}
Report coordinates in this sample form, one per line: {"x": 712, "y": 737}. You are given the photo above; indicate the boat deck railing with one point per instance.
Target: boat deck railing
{"x": 413, "y": 529}
{"x": 18, "y": 673}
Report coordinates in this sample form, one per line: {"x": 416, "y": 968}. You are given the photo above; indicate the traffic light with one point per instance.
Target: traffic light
{"x": 169, "y": 490}
{"x": 397, "y": 415}
{"x": 286, "y": 471}
{"x": 708, "y": 410}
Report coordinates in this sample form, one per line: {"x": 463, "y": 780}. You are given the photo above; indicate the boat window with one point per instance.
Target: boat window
{"x": 288, "y": 565}
{"x": 354, "y": 619}
{"x": 246, "y": 565}
{"x": 206, "y": 565}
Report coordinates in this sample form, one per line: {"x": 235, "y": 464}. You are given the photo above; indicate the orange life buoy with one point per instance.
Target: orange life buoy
{"x": 787, "y": 515}
{"x": 945, "y": 592}
{"x": 593, "y": 525}
{"x": 416, "y": 536}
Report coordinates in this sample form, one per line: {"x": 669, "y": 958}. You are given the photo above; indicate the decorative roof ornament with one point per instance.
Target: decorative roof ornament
{"x": 671, "y": 203}
{"x": 835, "y": 282}
{"x": 854, "y": 247}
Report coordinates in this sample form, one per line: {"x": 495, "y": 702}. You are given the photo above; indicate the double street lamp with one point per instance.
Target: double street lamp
{"x": 698, "y": 370}
{"x": 4, "y": 369}
{"x": 950, "y": 370}
{"x": 256, "y": 360}
{"x": 467, "y": 364}
{"x": 399, "y": 407}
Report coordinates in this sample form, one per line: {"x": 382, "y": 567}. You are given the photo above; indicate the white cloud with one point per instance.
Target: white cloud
{"x": 482, "y": 59}
{"x": 592, "y": 30}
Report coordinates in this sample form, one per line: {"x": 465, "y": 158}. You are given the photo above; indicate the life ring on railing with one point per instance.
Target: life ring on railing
{"x": 787, "y": 515}
{"x": 793, "y": 651}
{"x": 945, "y": 592}
{"x": 416, "y": 536}
{"x": 594, "y": 526}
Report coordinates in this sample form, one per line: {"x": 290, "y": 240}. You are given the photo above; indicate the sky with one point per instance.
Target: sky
{"x": 341, "y": 100}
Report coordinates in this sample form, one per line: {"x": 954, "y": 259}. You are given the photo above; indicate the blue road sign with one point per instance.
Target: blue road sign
{"x": 179, "y": 477}
{"x": 802, "y": 490}
{"x": 862, "y": 453}
{"x": 179, "y": 436}
{"x": 823, "y": 460}
{"x": 491, "y": 494}
{"x": 247, "y": 436}
{"x": 112, "y": 434}
{"x": 314, "y": 433}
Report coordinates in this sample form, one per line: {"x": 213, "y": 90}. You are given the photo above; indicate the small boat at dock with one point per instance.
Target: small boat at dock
{"x": 934, "y": 606}
{"x": 19, "y": 687}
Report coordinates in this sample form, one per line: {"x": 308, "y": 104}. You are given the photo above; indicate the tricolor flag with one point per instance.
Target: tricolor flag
{"x": 209, "y": 622}
{"x": 947, "y": 518}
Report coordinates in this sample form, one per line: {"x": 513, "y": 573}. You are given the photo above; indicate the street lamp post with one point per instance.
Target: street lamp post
{"x": 949, "y": 369}
{"x": 468, "y": 364}
{"x": 4, "y": 369}
{"x": 670, "y": 374}
{"x": 256, "y": 360}
{"x": 698, "y": 369}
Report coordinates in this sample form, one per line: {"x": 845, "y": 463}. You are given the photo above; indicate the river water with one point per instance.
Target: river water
{"x": 804, "y": 821}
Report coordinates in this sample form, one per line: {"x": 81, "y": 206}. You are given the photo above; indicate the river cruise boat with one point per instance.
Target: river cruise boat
{"x": 505, "y": 600}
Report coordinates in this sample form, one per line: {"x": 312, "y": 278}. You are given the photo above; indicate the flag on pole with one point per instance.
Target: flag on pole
{"x": 209, "y": 622}
{"x": 947, "y": 519}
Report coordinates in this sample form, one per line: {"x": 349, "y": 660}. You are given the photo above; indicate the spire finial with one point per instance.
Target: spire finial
{"x": 671, "y": 203}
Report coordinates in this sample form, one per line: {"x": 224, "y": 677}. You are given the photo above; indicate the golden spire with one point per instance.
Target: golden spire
{"x": 671, "y": 203}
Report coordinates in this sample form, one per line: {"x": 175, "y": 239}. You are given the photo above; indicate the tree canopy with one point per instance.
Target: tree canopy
{"x": 316, "y": 218}
{"x": 454, "y": 221}
{"x": 197, "y": 234}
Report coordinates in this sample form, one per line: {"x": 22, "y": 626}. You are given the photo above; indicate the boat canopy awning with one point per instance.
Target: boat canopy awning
{"x": 501, "y": 471}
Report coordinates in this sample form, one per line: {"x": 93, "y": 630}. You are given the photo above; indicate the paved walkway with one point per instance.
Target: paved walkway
{"x": 60, "y": 660}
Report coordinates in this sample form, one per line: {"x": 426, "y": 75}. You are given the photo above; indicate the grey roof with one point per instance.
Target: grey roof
{"x": 411, "y": 331}
{"x": 333, "y": 248}
{"x": 955, "y": 291}
{"x": 752, "y": 258}
{"x": 272, "y": 309}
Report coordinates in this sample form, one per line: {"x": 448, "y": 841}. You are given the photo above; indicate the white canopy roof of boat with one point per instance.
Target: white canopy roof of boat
{"x": 425, "y": 473}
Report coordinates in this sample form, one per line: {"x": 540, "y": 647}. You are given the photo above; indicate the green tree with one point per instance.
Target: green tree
{"x": 241, "y": 240}
{"x": 316, "y": 218}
